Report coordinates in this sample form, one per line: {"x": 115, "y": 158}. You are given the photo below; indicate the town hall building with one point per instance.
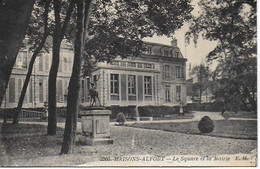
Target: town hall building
{"x": 157, "y": 77}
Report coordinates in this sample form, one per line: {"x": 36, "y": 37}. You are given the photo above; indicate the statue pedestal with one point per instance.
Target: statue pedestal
{"x": 95, "y": 127}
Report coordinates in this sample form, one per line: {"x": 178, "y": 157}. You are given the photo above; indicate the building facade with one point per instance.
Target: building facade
{"x": 157, "y": 77}
{"x": 37, "y": 90}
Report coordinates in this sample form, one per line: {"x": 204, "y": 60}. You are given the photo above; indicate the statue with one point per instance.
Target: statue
{"x": 93, "y": 93}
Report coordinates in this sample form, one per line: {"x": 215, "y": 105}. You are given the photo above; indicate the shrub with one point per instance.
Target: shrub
{"x": 120, "y": 118}
{"x": 206, "y": 125}
{"x": 157, "y": 111}
{"x": 228, "y": 114}
{"x": 128, "y": 111}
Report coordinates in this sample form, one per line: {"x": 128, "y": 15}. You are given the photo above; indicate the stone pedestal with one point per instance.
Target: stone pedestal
{"x": 95, "y": 127}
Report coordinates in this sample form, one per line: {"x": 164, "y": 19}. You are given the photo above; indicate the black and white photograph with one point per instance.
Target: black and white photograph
{"x": 128, "y": 83}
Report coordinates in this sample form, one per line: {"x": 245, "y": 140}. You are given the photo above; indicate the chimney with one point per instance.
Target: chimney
{"x": 174, "y": 42}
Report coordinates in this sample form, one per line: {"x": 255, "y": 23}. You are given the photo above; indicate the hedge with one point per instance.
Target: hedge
{"x": 128, "y": 111}
{"x": 159, "y": 111}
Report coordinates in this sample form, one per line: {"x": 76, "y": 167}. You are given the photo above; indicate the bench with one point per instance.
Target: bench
{"x": 144, "y": 118}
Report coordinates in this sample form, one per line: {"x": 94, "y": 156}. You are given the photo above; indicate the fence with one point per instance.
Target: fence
{"x": 31, "y": 114}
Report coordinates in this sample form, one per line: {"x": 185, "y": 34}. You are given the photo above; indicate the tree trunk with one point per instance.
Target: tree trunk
{"x": 57, "y": 38}
{"x": 83, "y": 10}
{"x": 14, "y": 19}
{"x": 52, "y": 119}
{"x": 32, "y": 61}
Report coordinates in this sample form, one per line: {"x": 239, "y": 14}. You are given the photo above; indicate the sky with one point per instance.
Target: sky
{"x": 194, "y": 54}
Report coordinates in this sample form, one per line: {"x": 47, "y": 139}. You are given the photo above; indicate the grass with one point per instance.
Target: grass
{"x": 28, "y": 144}
{"x": 223, "y": 128}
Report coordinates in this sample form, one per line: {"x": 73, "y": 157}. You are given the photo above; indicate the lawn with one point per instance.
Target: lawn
{"x": 28, "y": 145}
{"x": 240, "y": 129}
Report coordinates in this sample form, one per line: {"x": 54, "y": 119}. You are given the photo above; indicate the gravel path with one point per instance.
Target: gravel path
{"x": 134, "y": 141}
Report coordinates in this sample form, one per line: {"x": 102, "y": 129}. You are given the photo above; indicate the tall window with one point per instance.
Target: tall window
{"x": 41, "y": 90}
{"x": 46, "y": 58}
{"x": 41, "y": 62}
{"x": 177, "y": 54}
{"x": 166, "y": 53}
{"x": 178, "y": 72}
{"x": 59, "y": 91}
{"x": 166, "y": 71}
{"x": 12, "y": 90}
{"x": 22, "y": 59}
{"x": 114, "y": 84}
{"x": 149, "y": 50}
{"x": 178, "y": 93}
{"x": 131, "y": 84}
{"x": 167, "y": 93}
{"x": 148, "y": 85}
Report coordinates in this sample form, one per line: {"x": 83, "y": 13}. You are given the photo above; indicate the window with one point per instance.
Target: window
{"x": 59, "y": 91}
{"x": 12, "y": 90}
{"x": 148, "y": 85}
{"x": 177, "y": 54}
{"x": 22, "y": 59}
{"x": 178, "y": 93}
{"x": 166, "y": 71}
{"x": 40, "y": 62}
{"x": 116, "y": 63}
{"x": 114, "y": 84}
{"x": 66, "y": 90}
{"x": 131, "y": 84}
{"x": 46, "y": 58}
{"x": 167, "y": 93}
{"x": 166, "y": 53}
{"x": 179, "y": 72}
{"x": 41, "y": 90}
{"x": 31, "y": 92}
{"x": 123, "y": 63}
{"x": 148, "y": 65}
{"x": 131, "y": 64}
{"x": 149, "y": 50}
{"x": 139, "y": 65}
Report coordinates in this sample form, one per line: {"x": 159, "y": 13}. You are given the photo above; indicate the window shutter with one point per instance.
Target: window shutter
{"x": 123, "y": 87}
{"x": 140, "y": 87}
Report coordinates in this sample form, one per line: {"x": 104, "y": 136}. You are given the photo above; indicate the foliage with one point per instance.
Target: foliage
{"x": 159, "y": 111}
{"x": 233, "y": 25}
{"x": 201, "y": 80}
{"x": 120, "y": 118}
{"x": 206, "y": 125}
{"x": 117, "y": 27}
{"x": 36, "y": 29}
{"x": 226, "y": 115}
{"x": 129, "y": 111}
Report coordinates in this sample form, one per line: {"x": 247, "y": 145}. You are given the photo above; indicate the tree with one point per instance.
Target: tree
{"x": 201, "y": 79}
{"x": 14, "y": 20}
{"x": 58, "y": 34}
{"x": 83, "y": 10}
{"x": 116, "y": 28}
{"x": 38, "y": 49}
{"x": 233, "y": 25}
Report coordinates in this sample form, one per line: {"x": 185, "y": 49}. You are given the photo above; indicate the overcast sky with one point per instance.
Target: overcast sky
{"x": 194, "y": 54}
